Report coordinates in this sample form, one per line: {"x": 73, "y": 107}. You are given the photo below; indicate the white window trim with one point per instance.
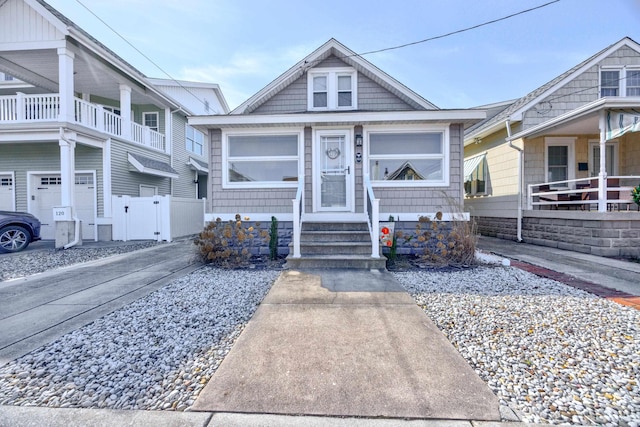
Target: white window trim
{"x": 267, "y": 184}
{"x": 594, "y": 173}
{"x": 622, "y": 75}
{"x": 153, "y": 187}
{"x": 571, "y": 155}
{"x": 332, "y": 88}
{"x": 186, "y": 140}
{"x": 151, "y": 113}
{"x": 446, "y": 147}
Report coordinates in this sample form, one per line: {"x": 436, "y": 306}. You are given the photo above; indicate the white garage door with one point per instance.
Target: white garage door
{"x": 45, "y": 195}
{"x": 6, "y": 192}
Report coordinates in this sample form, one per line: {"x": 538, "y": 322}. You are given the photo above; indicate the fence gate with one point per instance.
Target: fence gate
{"x": 137, "y": 218}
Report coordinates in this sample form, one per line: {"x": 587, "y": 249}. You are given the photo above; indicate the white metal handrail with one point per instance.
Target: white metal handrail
{"x": 372, "y": 207}
{"x": 298, "y": 209}
{"x": 569, "y": 187}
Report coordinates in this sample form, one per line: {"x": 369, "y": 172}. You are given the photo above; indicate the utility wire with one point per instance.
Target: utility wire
{"x": 493, "y": 21}
{"x": 141, "y": 53}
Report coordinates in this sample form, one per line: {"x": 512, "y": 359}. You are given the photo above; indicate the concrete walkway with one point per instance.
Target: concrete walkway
{"x": 41, "y": 308}
{"x": 346, "y": 343}
{"x": 619, "y": 275}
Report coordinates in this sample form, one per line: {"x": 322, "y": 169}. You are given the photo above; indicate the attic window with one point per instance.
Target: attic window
{"x": 620, "y": 81}
{"x": 332, "y": 89}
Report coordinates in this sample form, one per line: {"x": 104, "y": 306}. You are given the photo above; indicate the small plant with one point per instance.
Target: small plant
{"x": 228, "y": 244}
{"x": 393, "y": 249}
{"x": 635, "y": 195}
{"x": 273, "y": 239}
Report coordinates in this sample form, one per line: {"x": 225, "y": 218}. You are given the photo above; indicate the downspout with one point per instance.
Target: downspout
{"x": 76, "y": 220}
{"x": 520, "y": 154}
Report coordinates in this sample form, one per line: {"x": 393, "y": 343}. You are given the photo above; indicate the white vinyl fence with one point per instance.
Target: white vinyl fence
{"x": 156, "y": 218}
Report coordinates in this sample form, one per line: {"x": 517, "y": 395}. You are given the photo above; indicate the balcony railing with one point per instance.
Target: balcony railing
{"x": 614, "y": 193}
{"x": 23, "y": 108}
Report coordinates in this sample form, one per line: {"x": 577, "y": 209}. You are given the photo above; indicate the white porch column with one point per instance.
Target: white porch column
{"x": 602, "y": 194}
{"x": 67, "y": 168}
{"x": 106, "y": 179}
{"x": 65, "y": 76}
{"x": 125, "y": 110}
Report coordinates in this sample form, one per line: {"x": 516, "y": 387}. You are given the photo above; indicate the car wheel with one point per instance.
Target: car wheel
{"x": 14, "y": 238}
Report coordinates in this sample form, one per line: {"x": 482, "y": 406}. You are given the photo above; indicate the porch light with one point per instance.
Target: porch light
{"x": 358, "y": 140}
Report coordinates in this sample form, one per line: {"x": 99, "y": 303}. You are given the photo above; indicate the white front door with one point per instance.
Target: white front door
{"x": 333, "y": 166}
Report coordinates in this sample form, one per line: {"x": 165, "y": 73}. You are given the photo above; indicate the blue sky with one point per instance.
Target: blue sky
{"x": 243, "y": 45}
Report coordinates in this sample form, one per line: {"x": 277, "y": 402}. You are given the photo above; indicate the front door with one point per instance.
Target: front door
{"x": 333, "y": 180}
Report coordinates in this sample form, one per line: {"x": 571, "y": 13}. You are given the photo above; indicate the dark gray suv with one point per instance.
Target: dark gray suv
{"x": 17, "y": 230}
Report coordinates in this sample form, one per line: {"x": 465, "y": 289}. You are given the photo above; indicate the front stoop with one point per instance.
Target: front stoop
{"x": 345, "y": 245}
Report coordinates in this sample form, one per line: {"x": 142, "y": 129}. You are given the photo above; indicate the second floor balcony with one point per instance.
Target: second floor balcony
{"x": 38, "y": 108}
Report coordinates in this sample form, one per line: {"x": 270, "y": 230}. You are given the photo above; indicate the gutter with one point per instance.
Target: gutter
{"x": 520, "y": 181}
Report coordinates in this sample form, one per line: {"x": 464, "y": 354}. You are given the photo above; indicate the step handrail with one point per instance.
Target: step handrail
{"x": 298, "y": 209}
{"x": 372, "y": 208}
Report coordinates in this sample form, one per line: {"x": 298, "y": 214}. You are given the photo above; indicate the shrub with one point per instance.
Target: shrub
{"x": 229, "y": 244}
{"x": 447, "y": 243}
{"x": 273, "y": 239}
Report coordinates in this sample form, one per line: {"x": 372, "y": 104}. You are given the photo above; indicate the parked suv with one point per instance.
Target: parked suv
{"x": 17, "y": 230}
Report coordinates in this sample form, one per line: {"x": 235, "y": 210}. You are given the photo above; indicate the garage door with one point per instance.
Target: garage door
{"x": 6, "y": 192}
{"x": 46, "y": 193}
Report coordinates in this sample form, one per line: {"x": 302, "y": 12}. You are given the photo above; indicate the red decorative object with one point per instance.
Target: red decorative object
{"x": 385, "y": 230}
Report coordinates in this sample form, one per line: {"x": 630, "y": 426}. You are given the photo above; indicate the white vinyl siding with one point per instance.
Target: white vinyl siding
{"x": 406, "y": 157}
{"x": 332, "y": 89}
{"x": 254, "y": 160}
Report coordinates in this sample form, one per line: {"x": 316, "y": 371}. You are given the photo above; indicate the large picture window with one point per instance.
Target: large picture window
{"x": 408, "y": 158}
{"x": 254, "y": 160}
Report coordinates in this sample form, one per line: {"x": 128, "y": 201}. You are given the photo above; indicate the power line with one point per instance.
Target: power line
{"x": 140, "y": 52}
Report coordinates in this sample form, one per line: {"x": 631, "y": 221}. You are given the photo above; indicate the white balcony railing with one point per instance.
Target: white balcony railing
{"x": 613, "y": 193}
{"x": 24, "y": 109}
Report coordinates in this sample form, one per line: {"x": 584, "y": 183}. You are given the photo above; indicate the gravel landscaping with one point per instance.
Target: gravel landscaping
{"x": 155, "y": 353}
{"x": 35, "y": 261}
{"x": 551, "y": 353}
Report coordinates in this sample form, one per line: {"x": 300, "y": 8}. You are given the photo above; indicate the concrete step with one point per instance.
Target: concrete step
{"x": 335, "y": 236}
{"x": 334, "y": 226}
{"x": 335, "y": 248}
{"x": 336, "y": 261}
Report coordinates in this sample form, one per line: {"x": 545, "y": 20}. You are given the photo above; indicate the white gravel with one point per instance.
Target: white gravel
{"x": 552, "y": 353}
{"x": 155, "y": 353}
{"x": 33, "y": 261}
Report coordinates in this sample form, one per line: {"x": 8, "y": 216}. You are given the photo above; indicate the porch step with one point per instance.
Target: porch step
{"x": 336, "y": 261}
{"x": 335, "y": 245}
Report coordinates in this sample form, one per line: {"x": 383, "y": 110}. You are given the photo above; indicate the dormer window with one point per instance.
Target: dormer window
{"x": 619, "y": 81}
{"x": 332, "y": 89}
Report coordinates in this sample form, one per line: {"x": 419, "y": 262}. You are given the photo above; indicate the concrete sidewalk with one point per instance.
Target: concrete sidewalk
{"x": 41, "y": 308}
{"x": 609, "y": 273}
{"x": 346, "y": 343}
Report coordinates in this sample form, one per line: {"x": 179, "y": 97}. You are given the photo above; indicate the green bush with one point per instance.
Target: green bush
{"x": 273, "y": 239}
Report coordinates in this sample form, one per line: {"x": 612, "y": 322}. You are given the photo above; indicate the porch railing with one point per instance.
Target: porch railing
{"x": 613, "y": 193}
{"x": 372, "y": 207}
{"x": 23, "y": 108}
{"x": 298, "y": 209}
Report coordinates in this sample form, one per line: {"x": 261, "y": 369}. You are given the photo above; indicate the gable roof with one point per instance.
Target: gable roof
{"x": 515, "y": 110}
{"x": 334, "y": 47}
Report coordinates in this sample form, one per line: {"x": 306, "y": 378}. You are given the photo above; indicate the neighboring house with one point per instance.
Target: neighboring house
{"x": 79, "y": 126}
{"x": 323, "y": 134}
{"x": 556, "y": 167}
